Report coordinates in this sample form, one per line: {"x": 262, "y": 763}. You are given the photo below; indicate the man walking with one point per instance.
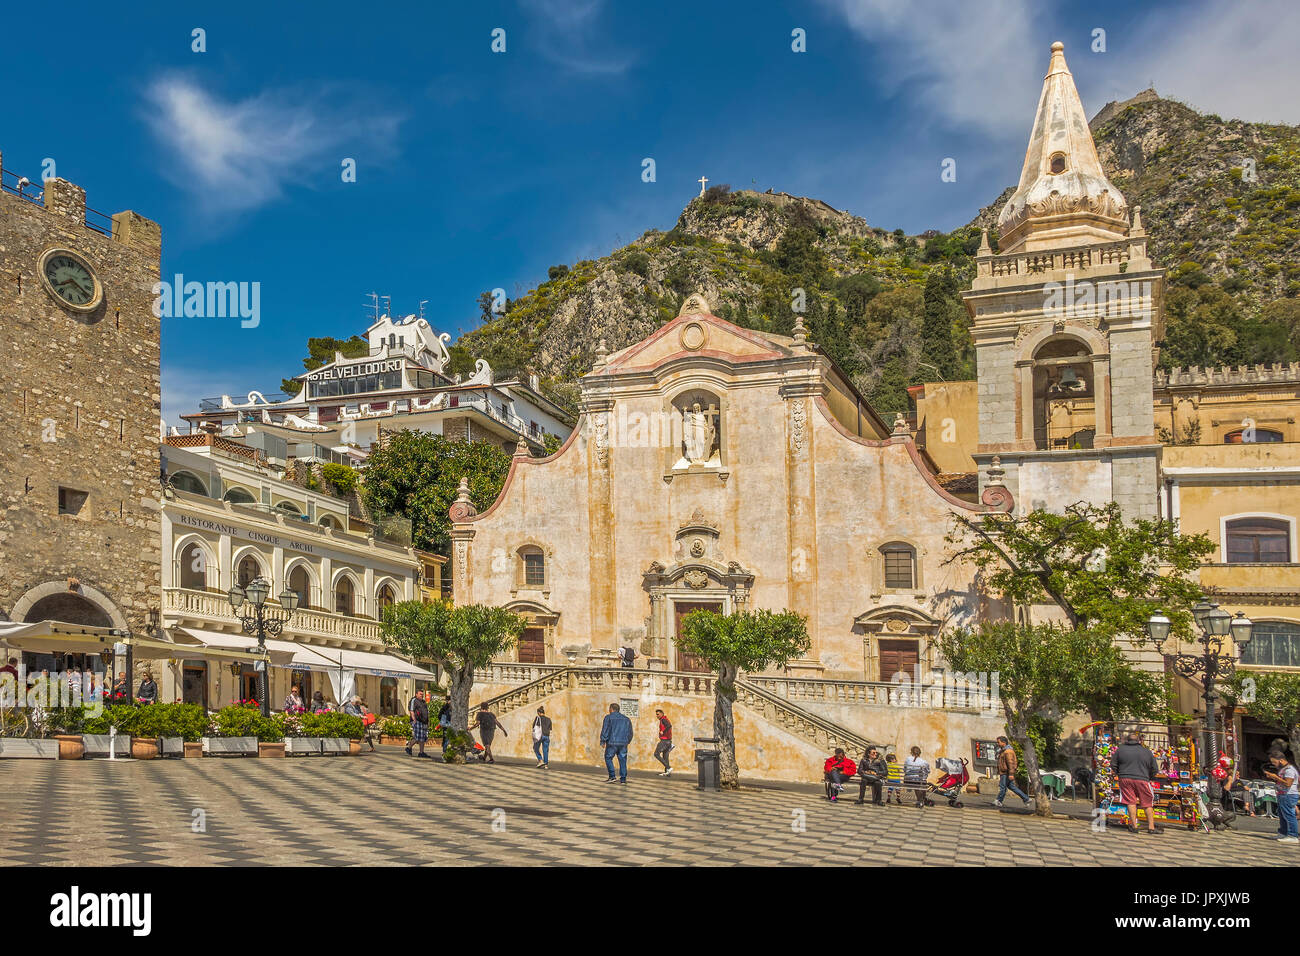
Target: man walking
{"x": 665, "y": 742}
{"x": 418, "y": 710}
{"x": 487, "y": 725}
{"x": 1136, "y": 769}
{"x": 542, "y": 738}
{"x": 873, "y": 771}
{"x": 615, "y": 735}
{"x": 1008, "y": 763}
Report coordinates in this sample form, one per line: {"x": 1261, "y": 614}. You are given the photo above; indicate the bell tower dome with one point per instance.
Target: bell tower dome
{"x": 1064, "y": 197}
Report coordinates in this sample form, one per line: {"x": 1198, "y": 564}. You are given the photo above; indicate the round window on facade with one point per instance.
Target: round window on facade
{"x": 1057, "y": 164}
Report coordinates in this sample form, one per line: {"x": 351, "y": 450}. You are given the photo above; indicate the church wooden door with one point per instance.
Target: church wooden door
{"x": 896, "y": 656}
{"x": 532, "y": 646}
{"x": 685, "y": 661}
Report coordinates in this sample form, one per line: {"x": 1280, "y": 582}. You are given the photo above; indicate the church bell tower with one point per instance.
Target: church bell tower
{"x": 1065, "y": 316}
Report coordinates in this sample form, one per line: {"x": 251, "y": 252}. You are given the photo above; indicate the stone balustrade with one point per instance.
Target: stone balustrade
{"x": 198, "y": 607}
{"x": 1074, "y": 259}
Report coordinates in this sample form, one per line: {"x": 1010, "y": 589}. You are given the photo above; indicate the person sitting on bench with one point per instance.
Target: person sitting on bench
{"x": 838, "y": 769}
{"x": 873, "y": 770}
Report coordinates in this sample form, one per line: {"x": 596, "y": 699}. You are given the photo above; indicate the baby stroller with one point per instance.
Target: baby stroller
{"x": 954, "y": 781}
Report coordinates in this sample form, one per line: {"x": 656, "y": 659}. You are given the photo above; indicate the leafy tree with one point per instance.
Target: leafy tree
{"x": 1042, "y": 670}
{"x": 342, "y": 477}
{"x": 941, "y": 314}
{"x": 459, "y": 639}
{"x": 320, "y": 351}
{"x": 730, "y": 643}
{"x": 1104, "y": 572}
{"x": 1271, "y": 697}
{"x": 416, "y": 475}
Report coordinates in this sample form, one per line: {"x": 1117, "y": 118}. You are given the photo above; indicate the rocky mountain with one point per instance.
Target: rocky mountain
{"x": 1220, "y": 198}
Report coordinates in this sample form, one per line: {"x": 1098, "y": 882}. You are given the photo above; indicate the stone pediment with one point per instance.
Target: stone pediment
{"x": 699, "y": 333}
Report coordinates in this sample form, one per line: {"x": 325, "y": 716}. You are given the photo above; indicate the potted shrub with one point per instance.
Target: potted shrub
{"x": 298, "y": 738}
{"x": 395, "y": 730}
{"x": 167, "y": 727}
{"x": 66, "y": 725}
{"x": 239, "y": 728}
{"x": 335, "y": 731}
{"x": 98, "y": 731}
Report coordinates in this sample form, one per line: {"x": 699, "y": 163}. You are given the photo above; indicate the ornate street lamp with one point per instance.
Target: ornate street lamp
{"x": 1213, "y": 664}
{"x": 256, "y": 618}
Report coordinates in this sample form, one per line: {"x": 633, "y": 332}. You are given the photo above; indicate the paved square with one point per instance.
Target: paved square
{"x": 386, "y": 808}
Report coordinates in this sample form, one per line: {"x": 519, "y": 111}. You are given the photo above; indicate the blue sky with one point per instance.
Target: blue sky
{"x": 478, "y": 170}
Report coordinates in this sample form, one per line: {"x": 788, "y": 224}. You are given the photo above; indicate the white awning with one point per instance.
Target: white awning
{"x": 369, "y": 662}
{"x": 196, "y": 643}
{"x": 56, "y": 637}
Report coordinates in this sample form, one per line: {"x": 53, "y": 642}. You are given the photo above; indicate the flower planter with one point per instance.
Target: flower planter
{"x": 230, "y": 746}
{"x": 354, "y": 747}
{"x": 387, "y": 741}
{"x": 302, "y": 745}
{"x": 270, "y": 748}
{"x": 28, "y": 747}
{"x": 144, "y": 748}
{"x": 70, "y": 746}
{"x": 174, "y": 747}
{"x": 98, "y": 744}
{"x": 193, "y": 748}
{"x": 335, "y": 745}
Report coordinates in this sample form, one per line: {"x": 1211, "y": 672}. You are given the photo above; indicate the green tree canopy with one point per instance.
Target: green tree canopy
{"x": 1047, "y": 669}
{"x": 1106, "y": 573}
{"x": 415, "y": 474}
{"x": 460, "y": 639}
{"x": 1271, "y": 697}
{"x": 730, "y": 643}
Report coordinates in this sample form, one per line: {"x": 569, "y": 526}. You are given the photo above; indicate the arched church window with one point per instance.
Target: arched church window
{"x": 900, "y": 565}
{"x": 1057, "y": 163}
{"x": 1065, "y": 405}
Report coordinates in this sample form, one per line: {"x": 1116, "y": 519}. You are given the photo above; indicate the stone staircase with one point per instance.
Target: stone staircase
{"x": 542, "y": 681}
{"x": 818, "y": 731}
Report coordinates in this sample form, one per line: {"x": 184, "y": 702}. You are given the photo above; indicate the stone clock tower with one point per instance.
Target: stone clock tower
{"x": 1065, "y": 316}
{"x": 79, "y": 462}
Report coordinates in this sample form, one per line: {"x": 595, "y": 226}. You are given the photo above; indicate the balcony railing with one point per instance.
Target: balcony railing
{"x": 214, "y": 607}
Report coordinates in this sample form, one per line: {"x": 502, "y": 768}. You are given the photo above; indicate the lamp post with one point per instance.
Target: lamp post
{"x": 1210, "y": 665}
{"x": 256, "y": 618}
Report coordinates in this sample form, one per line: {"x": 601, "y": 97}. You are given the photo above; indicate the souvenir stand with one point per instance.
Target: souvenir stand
{"x": 1176, "y": 801}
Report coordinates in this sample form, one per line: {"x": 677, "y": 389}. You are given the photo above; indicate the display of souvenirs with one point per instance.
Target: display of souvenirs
{"x": 1175, "y": 800}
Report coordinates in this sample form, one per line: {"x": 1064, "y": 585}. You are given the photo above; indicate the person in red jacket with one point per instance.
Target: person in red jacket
{"x": 838, "y": 769}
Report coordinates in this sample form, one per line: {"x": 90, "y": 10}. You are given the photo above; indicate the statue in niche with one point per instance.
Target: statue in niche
{"x": 699, "y": 435}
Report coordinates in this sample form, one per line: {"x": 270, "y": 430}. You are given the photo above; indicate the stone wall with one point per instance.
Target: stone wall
{"x": 82, "y": 396}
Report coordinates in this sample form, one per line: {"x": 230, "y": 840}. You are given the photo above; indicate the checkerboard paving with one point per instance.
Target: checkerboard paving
{"x": 388, "y": 809}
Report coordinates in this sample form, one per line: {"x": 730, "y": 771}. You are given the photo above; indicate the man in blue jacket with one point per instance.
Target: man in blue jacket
{"x": 615, "y": 735}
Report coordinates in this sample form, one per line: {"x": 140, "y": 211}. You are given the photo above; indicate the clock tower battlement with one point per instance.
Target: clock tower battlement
{"x": 79, "y": 453}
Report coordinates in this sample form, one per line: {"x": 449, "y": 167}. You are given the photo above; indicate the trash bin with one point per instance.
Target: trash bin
{"x": 706, "y": 762}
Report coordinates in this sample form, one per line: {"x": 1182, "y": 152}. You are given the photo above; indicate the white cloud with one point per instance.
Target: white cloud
{"x": 1220, "y": 56}
{"x": 235, "y": 156}
{"x": 567, "y": 35}
{"x": 977, "y": 65}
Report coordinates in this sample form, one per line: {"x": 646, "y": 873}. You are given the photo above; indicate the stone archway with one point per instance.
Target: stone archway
{"x": 81, "y": 603}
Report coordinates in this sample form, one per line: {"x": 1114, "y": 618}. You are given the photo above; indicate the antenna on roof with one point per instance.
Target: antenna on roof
{"x": 422, "y": 304}
{"x": 374, "y": 305}
{"x": 388, "y": 304}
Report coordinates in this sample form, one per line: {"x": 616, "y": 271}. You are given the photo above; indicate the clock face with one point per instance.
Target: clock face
{"x": 71, "y": 280}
